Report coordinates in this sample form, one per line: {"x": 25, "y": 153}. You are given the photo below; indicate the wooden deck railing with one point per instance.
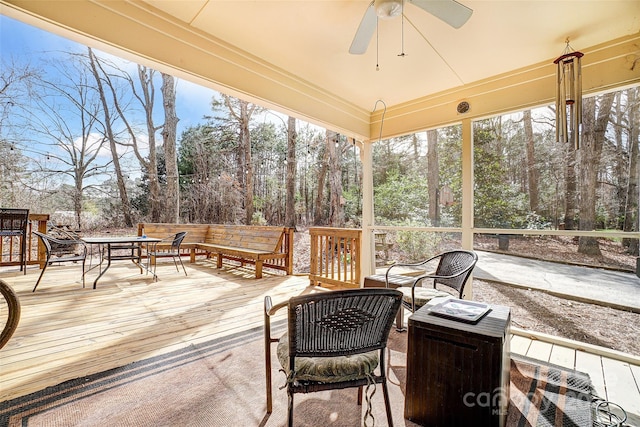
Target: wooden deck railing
{"x": 10, "y": 246}
{"x": 335, "y": 257}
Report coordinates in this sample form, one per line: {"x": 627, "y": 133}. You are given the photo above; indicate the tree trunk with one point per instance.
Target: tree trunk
{"x": 336, "y": 212}
{"x": 244, "y": 170}
{"x": 631, "y": 211}
{"x": 593, "y": 135}
{"x": 122, "y": 189}
{"x": 172, "y": 203}
{"x": 318, "y": 216}
{"x": 77, "y": 203}
{"x": 433, "y": 177}
{"x": 245, "y": 137}
{"x": 290, "y": 206}
{"x": 621, "y": 162}
{"x": 532, "y": 170}
{"x": 570, "y": 186}
{"x": 145, "y": 76}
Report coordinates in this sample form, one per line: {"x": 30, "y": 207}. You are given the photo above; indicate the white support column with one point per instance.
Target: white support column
{"x": 367, "y": 253}
{"x": 467, "y": 194}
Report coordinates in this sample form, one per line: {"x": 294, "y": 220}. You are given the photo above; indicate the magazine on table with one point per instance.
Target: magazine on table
{"x": 459, "y": 309}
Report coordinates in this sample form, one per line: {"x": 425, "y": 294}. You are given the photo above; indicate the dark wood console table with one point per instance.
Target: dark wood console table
{"x": 458, "y": 373}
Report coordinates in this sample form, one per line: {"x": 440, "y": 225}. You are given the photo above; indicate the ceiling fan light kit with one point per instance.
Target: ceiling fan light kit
{"x": 387, "y": 9}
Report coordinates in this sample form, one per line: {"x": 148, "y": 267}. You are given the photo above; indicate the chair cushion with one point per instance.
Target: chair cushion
{"x": 328, "y": 369}
{"x": 422, "y": 295}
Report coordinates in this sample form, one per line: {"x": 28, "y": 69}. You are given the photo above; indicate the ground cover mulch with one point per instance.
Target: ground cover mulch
{"x": 540, "y": 312}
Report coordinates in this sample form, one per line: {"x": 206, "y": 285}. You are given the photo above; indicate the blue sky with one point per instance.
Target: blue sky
{"x": 20, "y": 40}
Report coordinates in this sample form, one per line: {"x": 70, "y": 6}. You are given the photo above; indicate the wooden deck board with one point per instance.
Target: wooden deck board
{"x": 66, "y": 331}
{"x": 635, "y": 371}
{"x": 621, "y": 386}
{"x": 539, "y": 350}
{"x": 563, "y": 356}
{"x": 592, "y": 364}
{"x": 520, "y": 345}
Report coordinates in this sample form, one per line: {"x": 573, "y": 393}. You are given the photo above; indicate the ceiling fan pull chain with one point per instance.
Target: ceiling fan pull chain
{"x": 402, "y": 54}
{"x": 377, "y": 44}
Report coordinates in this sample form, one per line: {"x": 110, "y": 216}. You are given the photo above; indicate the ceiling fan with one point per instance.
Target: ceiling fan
{"x": 449, "y": 11}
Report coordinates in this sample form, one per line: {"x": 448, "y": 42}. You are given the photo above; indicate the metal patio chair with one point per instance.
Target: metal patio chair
{"x": 173, "y": 251}
{"x": 61, "y": 250}
{"x": 14, "y": 223}
{"x": 452, "y": 272}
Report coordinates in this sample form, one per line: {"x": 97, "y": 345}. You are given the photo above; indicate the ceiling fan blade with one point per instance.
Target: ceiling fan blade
{"x": 449, "y": 11}
{"x": 365, "y": 32}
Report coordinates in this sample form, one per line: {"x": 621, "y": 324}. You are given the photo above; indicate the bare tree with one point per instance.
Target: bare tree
{"x": 241, "y": 112}
{"x": 111, "y": 138}
{"x": 593, "y": 136}
{"x": 322, "y": 165}
{"x": 290, "y": 206}
{"x": 310, "y": 141}
{"x": 570, "y": 186}
{"x": 334, "y": 151}
{"x": 532, "y": 169}
{"x": 15, "y": 80}
{"x": 631, "y": 199}
{"x": 146, "y": 99}
{"x": 64, "y": 113}
{"x": 172, "y": 195}
{"x": 433, "y": 176}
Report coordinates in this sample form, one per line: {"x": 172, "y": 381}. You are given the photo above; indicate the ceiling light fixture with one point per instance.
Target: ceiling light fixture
{"x": 387, "y": 9}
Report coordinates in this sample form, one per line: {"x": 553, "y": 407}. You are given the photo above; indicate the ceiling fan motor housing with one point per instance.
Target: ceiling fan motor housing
{"x": 388, "y": 9}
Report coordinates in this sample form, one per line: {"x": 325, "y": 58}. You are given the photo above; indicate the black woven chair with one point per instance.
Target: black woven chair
{"x": 173, "y": 251}
{"x": 324, "y": 328}
{"x": 452, "y": 272}
{"x": 14, "y": 223}
{"x": 12, "y": 314}
{"x": 61, "y": 250}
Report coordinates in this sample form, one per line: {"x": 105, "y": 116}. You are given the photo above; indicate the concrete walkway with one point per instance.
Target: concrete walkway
{"x": 612, "y": 288}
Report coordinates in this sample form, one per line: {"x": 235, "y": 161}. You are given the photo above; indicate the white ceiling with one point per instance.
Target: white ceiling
{"x": 311, "y": 38}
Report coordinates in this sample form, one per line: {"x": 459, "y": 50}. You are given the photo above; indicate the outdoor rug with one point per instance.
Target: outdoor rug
{"x": 221, "y": 383}
{"x": 543, "y": 394}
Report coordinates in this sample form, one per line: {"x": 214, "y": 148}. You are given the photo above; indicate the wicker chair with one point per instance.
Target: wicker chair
{"x": 14, "y": 223}
{"x": 325, "y": 327}
{"x": 13, "y": 312}
{"x": 173, "y": 252}
{"x": 61, "y": 250}
{"x": 452, "y": 273}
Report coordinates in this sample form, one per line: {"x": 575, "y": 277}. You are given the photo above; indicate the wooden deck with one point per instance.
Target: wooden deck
{"x": 67, "y": 332}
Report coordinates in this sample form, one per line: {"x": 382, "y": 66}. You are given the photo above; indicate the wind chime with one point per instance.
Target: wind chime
{"x": 569, "y": 96}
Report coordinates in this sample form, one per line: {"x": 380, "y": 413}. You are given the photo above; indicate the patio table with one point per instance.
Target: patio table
{"x": 107, "y": 246}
